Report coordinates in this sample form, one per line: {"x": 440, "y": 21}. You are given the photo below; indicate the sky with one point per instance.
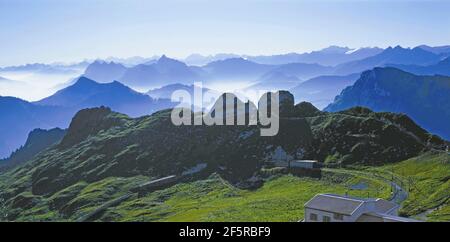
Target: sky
{"x": 49, "y": 31}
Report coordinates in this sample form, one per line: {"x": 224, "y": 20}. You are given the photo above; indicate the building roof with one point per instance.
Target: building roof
{"x": 305, "y": 161}
{"x": 335, "y": 203}
{"x": 383, "y": 206}
{"x": 375, "y": 209}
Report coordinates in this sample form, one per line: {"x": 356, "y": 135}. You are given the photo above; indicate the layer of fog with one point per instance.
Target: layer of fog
{"x": 33, "y": 86}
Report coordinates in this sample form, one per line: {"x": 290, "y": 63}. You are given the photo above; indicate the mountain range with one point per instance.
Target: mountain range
{"x": 229, "y": 68}
{"x": 102, "y": 146}
{"x": 37, "y": 141}
{"x": 91, "y": 150}
{"x": 330, "y": 56}
{"x": 164, "y": 71}
{"x": 201, "y": 60}
{"x": 47, "y": 68}
{"x": 88, "y": 93}
{"x": 440, "y": 50}
{"x": 323, "y": 83}
{"x": 104, "y": 72}
{"x": 426, "y": 99}
{"x": 322, "y": 90}
{"x": 440, "y": 68}
{"x": 19, "y": 117}
{"x": 396, "y": 55}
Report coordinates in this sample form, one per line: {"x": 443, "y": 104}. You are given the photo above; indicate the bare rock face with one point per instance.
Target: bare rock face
{"x": 88, "y": 122}
{"x": 285, "y": 100}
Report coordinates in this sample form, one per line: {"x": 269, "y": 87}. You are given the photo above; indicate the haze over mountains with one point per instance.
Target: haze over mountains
{"x": 19, "y": 117}
{"x": 322, "y": 90}
{"x": 440, "y": 68}
{"x": 329, "y": 56}
{"x": 166, "y": 71}
{"x": 396, "y": 55}
{"x": 317, "y": 77}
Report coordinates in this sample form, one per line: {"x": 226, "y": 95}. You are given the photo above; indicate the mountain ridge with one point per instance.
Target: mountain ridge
{"x": 424, "y": 98}
{"x": 396, "y": 55}
{"x": 22, "y": 116}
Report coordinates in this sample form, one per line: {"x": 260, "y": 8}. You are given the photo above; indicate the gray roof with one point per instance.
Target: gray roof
{"x": 335, "y": 203}
{"x": 383, "y": 206}
{"x": 305, "y": 161}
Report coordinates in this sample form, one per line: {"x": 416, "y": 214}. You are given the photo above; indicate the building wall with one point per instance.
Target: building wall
{"x": 321, "y": 214}
{"x": 306, "y": 165}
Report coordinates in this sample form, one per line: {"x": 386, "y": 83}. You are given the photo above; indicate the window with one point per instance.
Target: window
{"x": 313, "y": 217}
{"x": 338, "y": 216}
{"x": 326, "y": 219}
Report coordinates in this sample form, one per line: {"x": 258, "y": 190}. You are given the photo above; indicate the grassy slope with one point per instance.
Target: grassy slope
{"x": 427, "y": 179}
{"x": 213, "y": 199}
{"x": 280, "y": 199}
{"x": 72, "y": 202}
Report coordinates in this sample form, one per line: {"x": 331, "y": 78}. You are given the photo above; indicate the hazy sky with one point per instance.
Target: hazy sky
{"x": 72, "y": 30}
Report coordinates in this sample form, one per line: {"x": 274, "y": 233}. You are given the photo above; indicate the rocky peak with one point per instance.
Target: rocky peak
{"x": 89, "y": 122}
{"x": 306, "y": 109}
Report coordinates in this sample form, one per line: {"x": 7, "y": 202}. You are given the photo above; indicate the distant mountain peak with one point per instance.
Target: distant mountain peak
{"x": 105, "y": 63}
{"x": 166, "y": 64}
{"x": 163, "y": 57}
{"x": 84, "y": 81}
{"x": 335, "y": 49}
{"x": 233, "y": 59}
{"x": 436, "y": 49}
{"x": 164, "y": 60}
{"x": 102, "y": 71}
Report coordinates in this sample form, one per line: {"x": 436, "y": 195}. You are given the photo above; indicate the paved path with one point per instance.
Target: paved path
{"x": 399, "y": 194}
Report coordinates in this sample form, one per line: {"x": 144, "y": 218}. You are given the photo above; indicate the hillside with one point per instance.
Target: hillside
{"x": 107, "y": 150}
{"x": 37, "y": 141}
{"x": 426, "y": 179}
{"x": 425, "y": 99}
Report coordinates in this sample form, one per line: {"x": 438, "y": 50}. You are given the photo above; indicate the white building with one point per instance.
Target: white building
{"x": 336, "y": 208}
